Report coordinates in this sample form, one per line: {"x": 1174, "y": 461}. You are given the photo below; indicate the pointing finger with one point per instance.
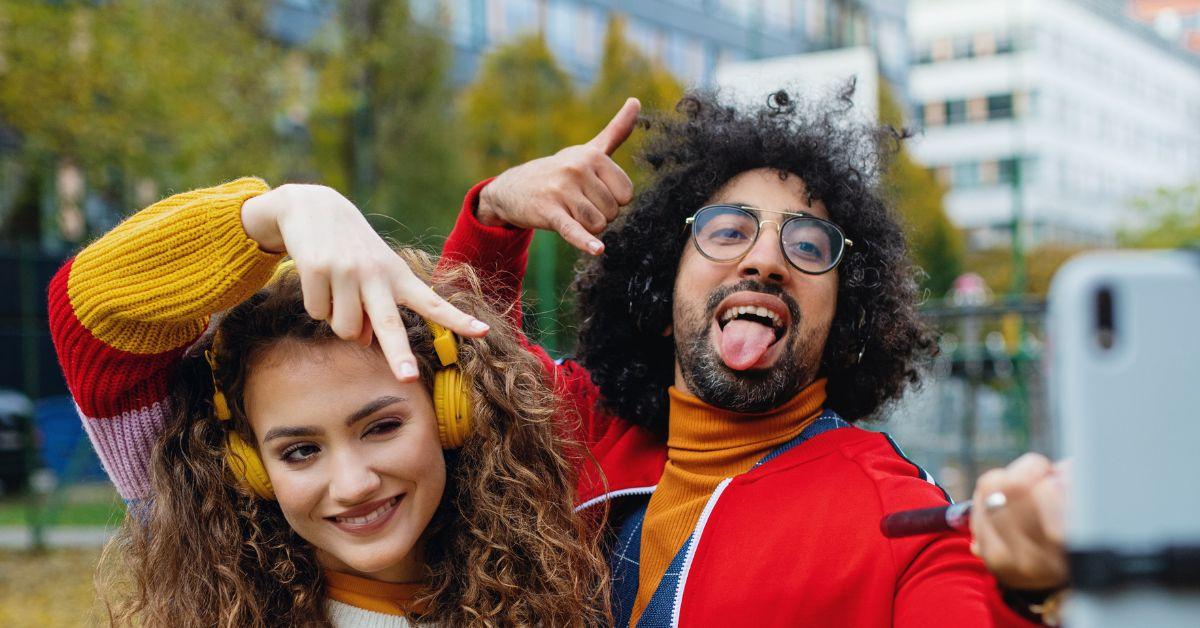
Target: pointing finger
{"x": 389, "y": 329}
{"x": 421, "y": 299}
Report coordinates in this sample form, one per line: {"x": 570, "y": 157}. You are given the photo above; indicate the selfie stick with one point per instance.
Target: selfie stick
{"x": 956, "y": 517}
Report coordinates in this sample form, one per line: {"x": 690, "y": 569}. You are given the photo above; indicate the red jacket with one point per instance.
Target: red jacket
{"x": 793, "y": 542}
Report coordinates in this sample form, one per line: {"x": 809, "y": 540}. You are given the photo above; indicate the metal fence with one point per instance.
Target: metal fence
{"x": 984, "y": 398}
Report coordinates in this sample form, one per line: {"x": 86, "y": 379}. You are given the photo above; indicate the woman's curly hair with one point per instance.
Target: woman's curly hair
{"x": 504, "y": 548}
{"x": 625, "y": 295}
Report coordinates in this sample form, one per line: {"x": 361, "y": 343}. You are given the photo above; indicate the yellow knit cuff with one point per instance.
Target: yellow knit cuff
{"x": 150, "y": 284}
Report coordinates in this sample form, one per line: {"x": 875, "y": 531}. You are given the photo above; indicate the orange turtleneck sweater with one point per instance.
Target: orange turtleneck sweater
{"x": 705, "y": 445}
{"x": 387, "y": 598}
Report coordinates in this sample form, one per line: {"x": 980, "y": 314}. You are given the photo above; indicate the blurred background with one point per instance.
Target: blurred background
{"x": 1045, "y": 128}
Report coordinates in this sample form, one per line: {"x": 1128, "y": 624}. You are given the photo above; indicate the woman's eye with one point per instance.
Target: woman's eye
{"x": 299, "y": 453}
{"x": 386, "y": 426}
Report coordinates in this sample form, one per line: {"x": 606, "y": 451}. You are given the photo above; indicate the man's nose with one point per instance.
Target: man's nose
{"x": 765, "y": 261}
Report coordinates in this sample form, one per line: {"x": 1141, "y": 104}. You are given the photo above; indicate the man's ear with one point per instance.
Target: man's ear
{"x": 669, "y": 330}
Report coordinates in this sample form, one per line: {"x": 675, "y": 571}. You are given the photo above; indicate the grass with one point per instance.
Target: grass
{"x": 52, "y": 588}
{"x": 79, "y": 505}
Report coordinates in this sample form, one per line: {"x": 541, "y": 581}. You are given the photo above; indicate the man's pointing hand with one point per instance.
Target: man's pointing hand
{"x": 576, "y": 192}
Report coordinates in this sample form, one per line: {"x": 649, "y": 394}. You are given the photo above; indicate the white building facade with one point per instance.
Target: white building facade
{"x": 1059, "y": 111}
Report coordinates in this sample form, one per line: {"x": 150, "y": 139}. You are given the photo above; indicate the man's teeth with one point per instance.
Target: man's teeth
{"x": 761, "y": 312}
{"x": 369, "y": 517}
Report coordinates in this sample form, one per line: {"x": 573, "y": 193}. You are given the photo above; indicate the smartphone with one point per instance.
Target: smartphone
{"x": 1124, "y": 351}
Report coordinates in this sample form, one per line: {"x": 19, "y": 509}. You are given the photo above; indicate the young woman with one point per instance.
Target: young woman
{"x": 280, "y": 474}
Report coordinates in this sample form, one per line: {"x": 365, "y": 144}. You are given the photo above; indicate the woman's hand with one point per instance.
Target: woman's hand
{"x": 346, "y": 270}
{"x": 1019, "y": 536}
{"x": 576, "y": 191}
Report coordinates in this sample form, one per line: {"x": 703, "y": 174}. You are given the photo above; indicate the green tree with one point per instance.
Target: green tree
{"x": 521, "y": 106}
{"x": 170, "y": 91}
{"x": 625, "y": 71}
{"x": 383, "y": 129}
{"x": 937, "y": 245}
{"x": 1170, "y": 218}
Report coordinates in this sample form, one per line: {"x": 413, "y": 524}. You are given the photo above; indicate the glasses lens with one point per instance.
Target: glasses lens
{"x": 814, "y": 246}
{"x": 724, "y": 233}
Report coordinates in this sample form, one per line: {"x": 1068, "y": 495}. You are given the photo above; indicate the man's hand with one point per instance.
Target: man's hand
{"x": 576, "y": 192}
{"x": 349, "y": 275}
{"x": 1020, "y": 537}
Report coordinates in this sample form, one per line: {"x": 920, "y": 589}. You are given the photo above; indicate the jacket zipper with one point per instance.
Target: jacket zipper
{"x": 640, "y": 490}
{"x": 691, "y": 551}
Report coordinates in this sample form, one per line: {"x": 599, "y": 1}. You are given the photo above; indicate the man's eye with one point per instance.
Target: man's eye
{"x": 727, "y": 234}
{"x": 809, "y": 250}
{"x": 299, "y": 452}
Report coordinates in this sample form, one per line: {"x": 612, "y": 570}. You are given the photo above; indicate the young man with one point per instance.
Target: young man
{"x": 754, "y": 303}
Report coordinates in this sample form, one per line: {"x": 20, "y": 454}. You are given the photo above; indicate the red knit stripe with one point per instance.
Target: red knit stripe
{"x": 105, "y": 381}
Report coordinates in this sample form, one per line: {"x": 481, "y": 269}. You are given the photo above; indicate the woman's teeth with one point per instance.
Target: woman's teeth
{"x": 371, "y": 516}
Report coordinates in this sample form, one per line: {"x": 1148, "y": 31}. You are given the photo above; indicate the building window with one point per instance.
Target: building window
{"x": 685, "y": 56}
{"x": 738, "y": 10}
{"x": 645, "y": 37}
{"x": 956, "y": 112}
{"x": 562, "y": 22}
{"x": 1007, "y": 171}
{"x": 1004, "y": 44}
{"x": 592, "y": 27}
{"x": 460, "y": 23}
{"x": 779, "y": 15}
{"x": 965, "y": 175}
{"x": 1000, "y": 107}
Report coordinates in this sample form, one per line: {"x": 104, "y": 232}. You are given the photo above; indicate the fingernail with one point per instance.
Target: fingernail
{"x": 407, "y": 370}
{"x": 594, "y": 246}
{"x": 479, "y": 326}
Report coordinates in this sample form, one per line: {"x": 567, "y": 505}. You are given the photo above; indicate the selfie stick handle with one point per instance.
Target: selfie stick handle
{"x": 955, "y": 517}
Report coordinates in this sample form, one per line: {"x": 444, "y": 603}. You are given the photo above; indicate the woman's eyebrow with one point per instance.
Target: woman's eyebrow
{"x": 293, "y": 431}
{"x": 372, "y": 408}
{"x": 290, "y": 431}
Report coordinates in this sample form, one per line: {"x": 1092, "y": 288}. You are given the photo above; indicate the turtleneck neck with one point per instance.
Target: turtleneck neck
{"x": 705, "y": 445}
{"x": 389, "y": 598}
{"x": 708, "y": 440}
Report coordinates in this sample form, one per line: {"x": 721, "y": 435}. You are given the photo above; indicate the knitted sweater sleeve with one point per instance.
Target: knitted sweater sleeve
{"x": 123, "y": 311}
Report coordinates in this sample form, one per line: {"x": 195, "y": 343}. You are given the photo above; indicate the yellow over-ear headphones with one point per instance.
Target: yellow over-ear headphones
{"x": 451, "y": 402}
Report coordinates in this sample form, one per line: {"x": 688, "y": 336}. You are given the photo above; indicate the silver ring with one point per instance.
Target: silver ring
{"x": 994, "y": 501}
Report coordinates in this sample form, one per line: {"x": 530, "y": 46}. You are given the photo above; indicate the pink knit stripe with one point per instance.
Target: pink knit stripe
{"x": 125, "y": 443}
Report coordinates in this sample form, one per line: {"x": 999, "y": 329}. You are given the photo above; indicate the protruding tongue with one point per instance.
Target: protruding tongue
{"x": 743, "y": 343}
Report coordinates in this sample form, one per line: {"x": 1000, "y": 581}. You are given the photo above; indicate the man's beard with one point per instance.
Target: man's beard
{"x": 747, "y": 391}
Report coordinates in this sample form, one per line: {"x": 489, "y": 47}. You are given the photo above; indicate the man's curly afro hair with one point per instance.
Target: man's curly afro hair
{"x": 625, "y": 295}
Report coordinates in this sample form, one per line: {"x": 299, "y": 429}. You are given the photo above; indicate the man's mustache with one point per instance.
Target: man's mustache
{"x": 750, "y": 285}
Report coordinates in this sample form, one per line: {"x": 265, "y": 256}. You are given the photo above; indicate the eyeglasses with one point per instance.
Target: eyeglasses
{"x": 725, "y": 233}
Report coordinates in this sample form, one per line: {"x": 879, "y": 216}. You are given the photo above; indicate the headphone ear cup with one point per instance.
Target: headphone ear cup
{"x": 247, "y": 466}
{"x": 453, "y": 406}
